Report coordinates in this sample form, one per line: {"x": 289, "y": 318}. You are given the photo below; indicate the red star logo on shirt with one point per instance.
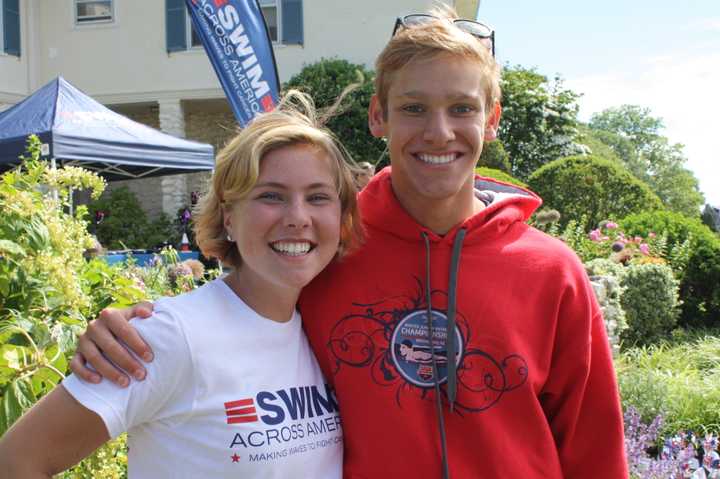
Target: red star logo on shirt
{"x": 235, "y": 458}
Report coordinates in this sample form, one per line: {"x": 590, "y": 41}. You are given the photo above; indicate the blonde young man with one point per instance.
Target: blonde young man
{"x": 451, "y": 266}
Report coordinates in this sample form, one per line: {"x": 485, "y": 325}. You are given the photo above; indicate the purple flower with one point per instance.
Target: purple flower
{"x": 611, "y": 225}
{"x": 644, "y": 248}
{"x": 594, "y": 235}
{"x": 618, "y": 246}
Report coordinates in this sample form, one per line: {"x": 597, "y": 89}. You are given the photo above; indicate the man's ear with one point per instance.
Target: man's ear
{"x": 493, "y": 122}
{"x": 376, "y": 118}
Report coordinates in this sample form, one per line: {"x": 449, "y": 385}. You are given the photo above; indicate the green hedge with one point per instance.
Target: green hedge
{"x": 650, "y": 301}
{"x": 324, "y": 81}
{"x": 499, "y": 175}
{"x": 494, "y": 156}
{"x": 700, "y": 283}
{"x": 589, "y": 189}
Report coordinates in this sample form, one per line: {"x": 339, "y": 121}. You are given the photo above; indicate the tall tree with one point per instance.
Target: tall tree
{"x": 635, "y": 137}
{"x": 539, "y": 121}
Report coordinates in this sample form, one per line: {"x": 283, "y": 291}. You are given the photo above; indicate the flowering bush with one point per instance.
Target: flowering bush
{"x": 699, "y": 249}
{"x": 639, "y": 438}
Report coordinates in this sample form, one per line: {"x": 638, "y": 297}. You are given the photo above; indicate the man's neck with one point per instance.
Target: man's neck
{"x": 441, "y": 215}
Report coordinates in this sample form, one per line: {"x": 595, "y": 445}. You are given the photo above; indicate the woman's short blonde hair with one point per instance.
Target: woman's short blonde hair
{"x": 431, "y": 40}
{"x": 295, "y": 121}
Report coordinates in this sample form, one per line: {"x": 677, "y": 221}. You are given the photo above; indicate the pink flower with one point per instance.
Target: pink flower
{"x": 638, "y": 239}
{"x": 651, "y": 235}
{"x": 644, "y": 248}
{"x": 594, "y": 235}
{"x": 611, "y": 225}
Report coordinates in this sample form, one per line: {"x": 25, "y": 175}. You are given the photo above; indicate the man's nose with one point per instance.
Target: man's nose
{"x": 438, "y": 129}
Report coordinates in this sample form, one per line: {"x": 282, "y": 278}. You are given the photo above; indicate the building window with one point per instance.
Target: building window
{"x": 2, "y": 29}
{"x": 10, "y": 27}
{"x": 93, "y": 11}
{"x": 284, "y": 19}
{"x": 269, "y": 10}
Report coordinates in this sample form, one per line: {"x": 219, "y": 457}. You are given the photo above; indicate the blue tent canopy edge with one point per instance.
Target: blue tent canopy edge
{"x": 82, "y": 132}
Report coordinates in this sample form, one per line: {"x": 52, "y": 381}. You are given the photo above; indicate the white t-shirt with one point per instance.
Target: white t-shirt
{"x": 229, "y": 394}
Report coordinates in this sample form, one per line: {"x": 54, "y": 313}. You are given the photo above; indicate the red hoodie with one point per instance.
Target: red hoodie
{"x": 536, "y": 390}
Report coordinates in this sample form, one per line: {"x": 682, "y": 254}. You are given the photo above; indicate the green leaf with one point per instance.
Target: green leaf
{"x": 18, "y": 397}
{"x": 11, "y": 357}
{"x": 7, "y": 246}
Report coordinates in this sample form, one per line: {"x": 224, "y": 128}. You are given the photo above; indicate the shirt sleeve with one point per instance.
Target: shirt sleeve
{"x": 155, "y": 397}
{"x": 581, "y": 398}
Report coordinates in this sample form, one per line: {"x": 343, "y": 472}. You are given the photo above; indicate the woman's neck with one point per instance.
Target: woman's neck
{"x": 268, "y": 300}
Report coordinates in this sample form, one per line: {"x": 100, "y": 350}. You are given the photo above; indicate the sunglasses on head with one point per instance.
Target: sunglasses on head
{"x": 482, "y": 32}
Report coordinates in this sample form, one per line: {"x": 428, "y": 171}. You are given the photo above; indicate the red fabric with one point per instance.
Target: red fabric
{"x": 537, "y": 396}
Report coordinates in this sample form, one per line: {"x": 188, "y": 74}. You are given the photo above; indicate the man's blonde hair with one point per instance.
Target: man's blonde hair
{"x": 429, "y": 40}
{"x": 295, "y": 121}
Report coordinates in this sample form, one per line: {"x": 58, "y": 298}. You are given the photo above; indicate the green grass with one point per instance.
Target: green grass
{"x": 679, "y": 379}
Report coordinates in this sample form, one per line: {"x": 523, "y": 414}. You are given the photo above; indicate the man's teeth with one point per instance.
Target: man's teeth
{"x": 291, "y": 248}
{"x": 437, "y": 159}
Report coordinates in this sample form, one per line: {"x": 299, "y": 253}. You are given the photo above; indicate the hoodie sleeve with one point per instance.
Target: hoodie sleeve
{"x": 581, "y": 398}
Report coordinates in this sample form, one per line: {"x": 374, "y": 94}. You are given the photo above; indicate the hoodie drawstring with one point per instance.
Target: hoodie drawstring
{"x": 450, "y": 345}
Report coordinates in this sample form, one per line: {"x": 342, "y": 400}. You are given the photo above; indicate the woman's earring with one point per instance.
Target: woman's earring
{"x": 229, "y": 238}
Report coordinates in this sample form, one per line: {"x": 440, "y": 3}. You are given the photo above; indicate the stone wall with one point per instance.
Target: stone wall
{"x": 607, "y": 291}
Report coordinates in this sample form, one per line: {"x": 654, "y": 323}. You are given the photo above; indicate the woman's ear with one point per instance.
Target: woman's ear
{"x": 376, "y": 118}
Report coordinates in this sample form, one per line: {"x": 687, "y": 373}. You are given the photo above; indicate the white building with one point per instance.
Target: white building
{"x": 141, "y": 58}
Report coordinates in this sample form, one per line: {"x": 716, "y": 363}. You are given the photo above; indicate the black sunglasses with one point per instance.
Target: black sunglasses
{"x": 482, "y": 32}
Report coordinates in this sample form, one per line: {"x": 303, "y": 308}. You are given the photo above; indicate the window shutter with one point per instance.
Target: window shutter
{"x": 292, "y": 22}
{"x": 175, "y": 25}
{"x": 11, "y": 27}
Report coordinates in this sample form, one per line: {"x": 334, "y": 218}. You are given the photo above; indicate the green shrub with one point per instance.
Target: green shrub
{"x": 125, "y": 224}
{"x": 108, "y": 462}
{"x": 700, "y": 281}
{"x": 605, "y": 267}
{"x": 593, "y": 188}
{"x": 650, "y": 302}
{"x": 324, "y": 81}
{"x": 499, "y": 175}
{"x": 494, "y": 156}
{"x": 48, "y": 290}
{"x": 682, "y": 382}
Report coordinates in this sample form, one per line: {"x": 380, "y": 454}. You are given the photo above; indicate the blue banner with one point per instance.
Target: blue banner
{"x": 237, "y": 42}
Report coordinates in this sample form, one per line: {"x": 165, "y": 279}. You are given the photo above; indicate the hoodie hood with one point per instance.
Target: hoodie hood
{"x": 506, "y": 204}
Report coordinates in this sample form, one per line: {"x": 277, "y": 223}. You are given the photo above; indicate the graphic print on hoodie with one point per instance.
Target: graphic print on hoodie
{"x": 389, "y": 339}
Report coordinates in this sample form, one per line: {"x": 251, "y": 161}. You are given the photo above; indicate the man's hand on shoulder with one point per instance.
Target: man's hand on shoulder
{"x": 101, "y": 347}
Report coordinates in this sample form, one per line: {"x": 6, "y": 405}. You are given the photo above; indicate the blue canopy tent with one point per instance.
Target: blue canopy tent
{"x": 80, "y": 131}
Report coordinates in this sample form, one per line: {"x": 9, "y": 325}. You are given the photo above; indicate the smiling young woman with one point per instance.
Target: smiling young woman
{"x": 230, "y": 357}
